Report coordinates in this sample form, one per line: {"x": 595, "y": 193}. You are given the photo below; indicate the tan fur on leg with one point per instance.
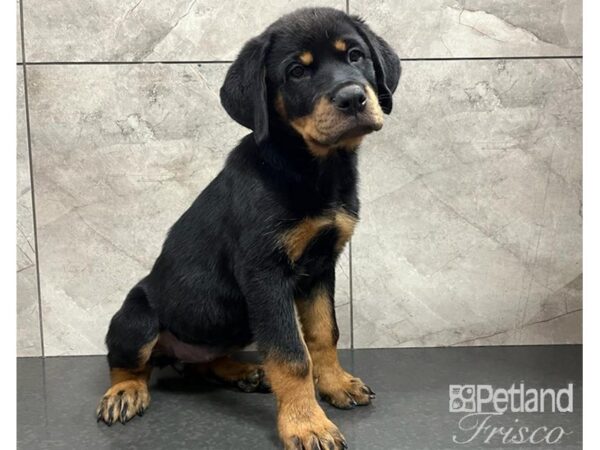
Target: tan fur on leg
{"x": 128, "y": 395}
{"x": 334, "y": 384}
{"x": 301, "y": 421}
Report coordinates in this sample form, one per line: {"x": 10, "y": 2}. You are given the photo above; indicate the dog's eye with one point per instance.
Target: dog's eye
{"x": 355, "y": 55}
{"x": 297, "y": 71}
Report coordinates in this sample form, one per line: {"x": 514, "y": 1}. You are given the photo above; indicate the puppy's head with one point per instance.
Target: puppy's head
{"x": 318, "y": 71}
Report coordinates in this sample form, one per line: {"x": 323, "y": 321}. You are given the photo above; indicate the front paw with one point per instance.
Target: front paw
{"x": 344, "y": 391}
{"x": 308, "y": 428}
{"x": 123, "y": 401}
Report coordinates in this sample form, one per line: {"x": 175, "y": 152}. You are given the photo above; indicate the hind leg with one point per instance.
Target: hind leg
{"x": 132, "y": 334}
{"x": 247, "y": 377}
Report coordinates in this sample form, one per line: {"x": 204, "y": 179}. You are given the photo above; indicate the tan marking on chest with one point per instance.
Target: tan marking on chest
{"x": 296, "y": 240}
{"x": 345, "y": 224}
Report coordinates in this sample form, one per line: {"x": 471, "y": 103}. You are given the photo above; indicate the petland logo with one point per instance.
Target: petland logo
{"x": 482, "y": 404}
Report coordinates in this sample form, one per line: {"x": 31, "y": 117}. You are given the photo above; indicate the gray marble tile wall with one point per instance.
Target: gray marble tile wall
{"x": 471, "y": 194}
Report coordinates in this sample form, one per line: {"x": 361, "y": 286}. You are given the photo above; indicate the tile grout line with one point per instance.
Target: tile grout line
{"x": 466, "y": 58}
{"x": 124, "y": 63}
{"x": 33, "y": 210}
{"x": 350, "y": 292}
{"x": 494, "y": 58}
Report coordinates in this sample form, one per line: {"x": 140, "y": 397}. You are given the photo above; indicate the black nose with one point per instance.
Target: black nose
{"x": 350, "y": 99}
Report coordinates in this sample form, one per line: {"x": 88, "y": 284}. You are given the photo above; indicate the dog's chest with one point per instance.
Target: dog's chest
{"x": 326, "y": 233}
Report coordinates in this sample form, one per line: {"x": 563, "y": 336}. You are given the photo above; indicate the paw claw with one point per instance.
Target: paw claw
{"x": 367, "y": 390}
{"x": 124, "y": 412}
{"x": 255, "y": 376}
{"x": 122, "y": 402}
{"x": 315, "y": 444}
{"x": 353, "y": 402}
{"x": 296, "y": 444}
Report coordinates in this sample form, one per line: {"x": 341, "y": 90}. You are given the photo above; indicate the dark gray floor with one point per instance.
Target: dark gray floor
{"x": 57, "y": 398}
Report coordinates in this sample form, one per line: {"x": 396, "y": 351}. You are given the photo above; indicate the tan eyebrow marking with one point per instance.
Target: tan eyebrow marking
{"x": 306, "y": 58}
{"x": 340, "y": 45}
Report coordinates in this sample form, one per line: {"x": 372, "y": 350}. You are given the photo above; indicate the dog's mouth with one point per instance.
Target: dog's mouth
{"x": 349, "y": 128}
{"x": 328, "y": 127}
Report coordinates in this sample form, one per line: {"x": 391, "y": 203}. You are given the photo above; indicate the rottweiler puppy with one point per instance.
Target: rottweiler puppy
{"x": 253, "y": 259}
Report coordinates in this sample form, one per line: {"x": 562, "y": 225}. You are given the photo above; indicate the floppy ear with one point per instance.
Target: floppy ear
{"x": 244, "y": 92}
{"x": 385, "y": 62}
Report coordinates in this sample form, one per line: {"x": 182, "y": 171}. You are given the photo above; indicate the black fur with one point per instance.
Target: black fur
{"x": 385, "y": 62}
{"x": 222, "y": 279}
